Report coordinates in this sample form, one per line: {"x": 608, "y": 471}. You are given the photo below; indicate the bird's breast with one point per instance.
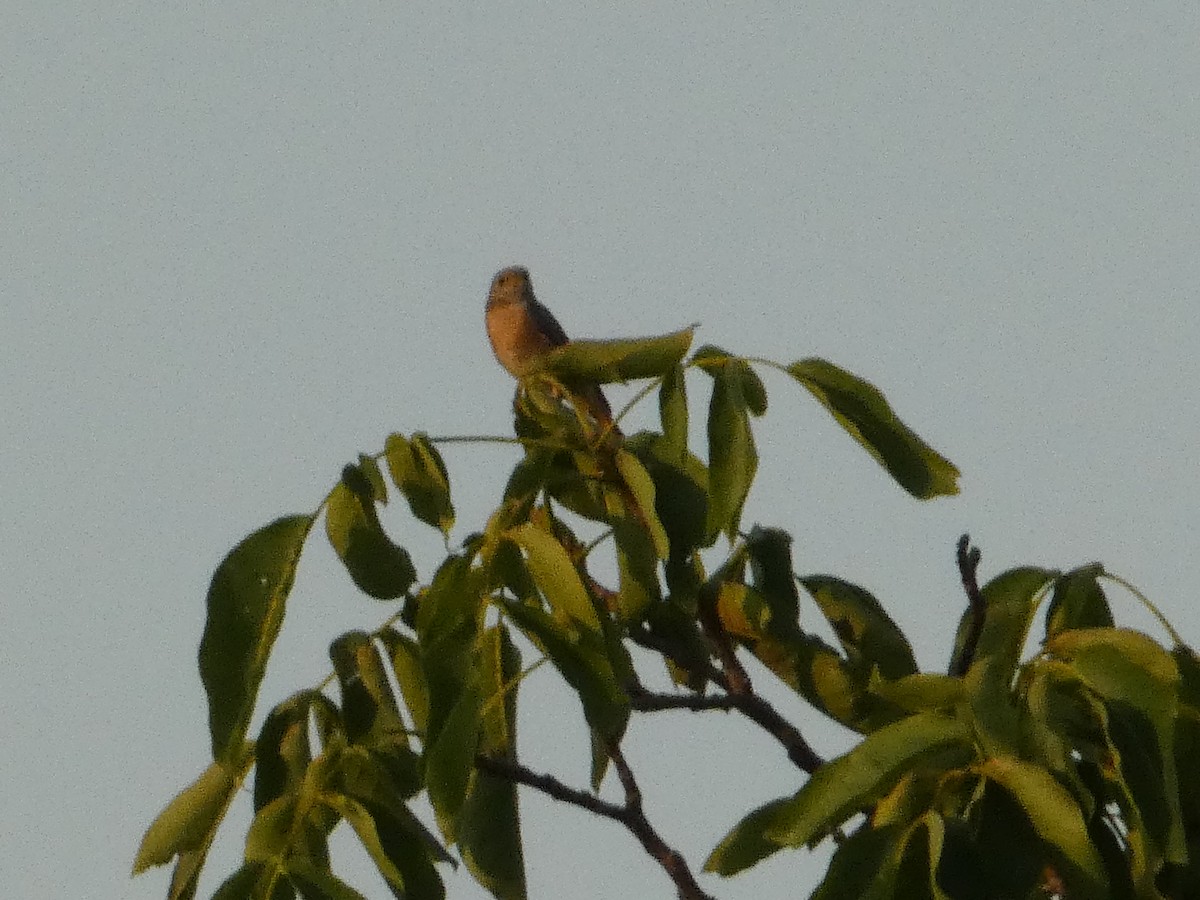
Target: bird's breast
{"x": 516, "y": 341}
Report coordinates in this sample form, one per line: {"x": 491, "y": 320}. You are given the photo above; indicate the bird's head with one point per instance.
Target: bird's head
{"x": 511, "y": 285}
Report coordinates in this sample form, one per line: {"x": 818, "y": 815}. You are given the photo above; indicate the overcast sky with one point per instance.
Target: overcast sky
{"x": 242, "y": 242}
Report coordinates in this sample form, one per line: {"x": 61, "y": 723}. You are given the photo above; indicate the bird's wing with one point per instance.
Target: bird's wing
{"x": 547, "y": 324}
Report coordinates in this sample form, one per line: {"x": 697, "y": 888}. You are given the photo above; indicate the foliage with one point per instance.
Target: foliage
{"x": 1063, "y": 773}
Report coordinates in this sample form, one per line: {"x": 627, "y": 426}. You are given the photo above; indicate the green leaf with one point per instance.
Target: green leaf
{"x": 732, "y": 457}
{"x": 489, "y": 826}
{"x": 555, "y": 575}
{"x": 864, "y": 866}
{"x": 856, "y": 780}
{"x": 1055, "y": 816}
{"x": 447, "y": 622}
{"x": 1078, "y": 601}
{"x": 922, "y": 691}
{"x": 368, "y": 706}
{"x": 752, "y": 387}
{"x": 673, "y": 413}
{"x": 418, "y": 470}
{"x": 1010, "y": 601}
{"x": 282, "y": 753}
{"x": 581, "y": 656}
{"x": 380, "y": 568}
{"x": 770, "y": 554}
{"x": 601, "y": 362}
{"x": 864, "y": 413}
{"x": 246, "y": 601}
{"x": 867, "y": 633}
{"x": 641, "y": 486}
{"x": 270, "y": 836}
{"x": 242, "y": 883}
{"x": 405, "y": 655}
{"x": 318, "y": 884}
{"x": 746, "y": 845}
{"x": 1128, "y": 669}
{"x": 681, "y": 496}
{"x": 363, "y": 823}
{"x": 190, "y": 821}
{"x": 450, "y": 759}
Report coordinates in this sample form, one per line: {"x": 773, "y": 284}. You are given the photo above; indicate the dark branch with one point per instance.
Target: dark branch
{"x": 548, "y": 785}
{"x": 750, "y": 705}
{"x": 968, "y": 566}
{"x": 630, "y": 814}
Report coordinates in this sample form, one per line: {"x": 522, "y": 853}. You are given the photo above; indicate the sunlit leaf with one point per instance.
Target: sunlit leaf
{"x": 1010, "y": 601}
{"x": 862, "y": 410}
{"x": 405, "y": 656}
{"x": 363, "y": 823}
{"x": 246, "y": 601}
{"x": 555, "y": 575}
{"x": 419, "y": 472}
{"x": 190, "y": 821}
{"x": 862, "y": 626}
{"x": 851, "y": 782}
{"x": 618, "y": 360}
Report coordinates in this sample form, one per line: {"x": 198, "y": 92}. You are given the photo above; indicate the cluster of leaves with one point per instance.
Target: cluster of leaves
{"x": 999, "y": 780}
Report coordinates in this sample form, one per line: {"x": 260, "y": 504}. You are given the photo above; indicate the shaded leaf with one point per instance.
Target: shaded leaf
{"x": 864, "y": 413}
{"x": 282, "y": 753}
{"x": 732, "y": 457}
{"x": 369, "y": 708}
{"x": 673, "y": 414}
{"x": 379, "y": 567}
{"x": 747, "y": 844}
{"x": 1078, "y": 601}
{"x": 246, "y": 602}
{"x": 489, "y": 829}
{"x": 1055, "y": 816}
{"x": 450, "y": 759}
{"x": 582, "y": 659}
{"x": 318, "y": 884}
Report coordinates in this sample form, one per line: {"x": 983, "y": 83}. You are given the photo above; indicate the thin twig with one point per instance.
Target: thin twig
{"x": 752, "y": 706}
{"x": 630, "y": 814}
{"x": 968, "y": 566}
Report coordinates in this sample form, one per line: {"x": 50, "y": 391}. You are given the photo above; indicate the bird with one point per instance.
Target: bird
{"x": 521, "y": 330}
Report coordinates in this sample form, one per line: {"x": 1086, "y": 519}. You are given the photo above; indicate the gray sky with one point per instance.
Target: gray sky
{"x": 242, "y": 242}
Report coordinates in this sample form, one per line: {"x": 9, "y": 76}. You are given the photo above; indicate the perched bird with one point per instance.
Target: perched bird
{"x": 521, "y": 330}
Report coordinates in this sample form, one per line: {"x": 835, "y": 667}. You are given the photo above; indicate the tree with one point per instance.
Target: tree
{"x": 1063, "y": 773}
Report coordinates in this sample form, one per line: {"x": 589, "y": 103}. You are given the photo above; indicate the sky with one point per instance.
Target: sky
{"x": 243, "y": 242}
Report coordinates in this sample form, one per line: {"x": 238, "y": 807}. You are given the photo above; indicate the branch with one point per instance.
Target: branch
{"x": 630, "y": 814}
{"x": 751, "y": 705}
{"x": 968, "y": 565}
